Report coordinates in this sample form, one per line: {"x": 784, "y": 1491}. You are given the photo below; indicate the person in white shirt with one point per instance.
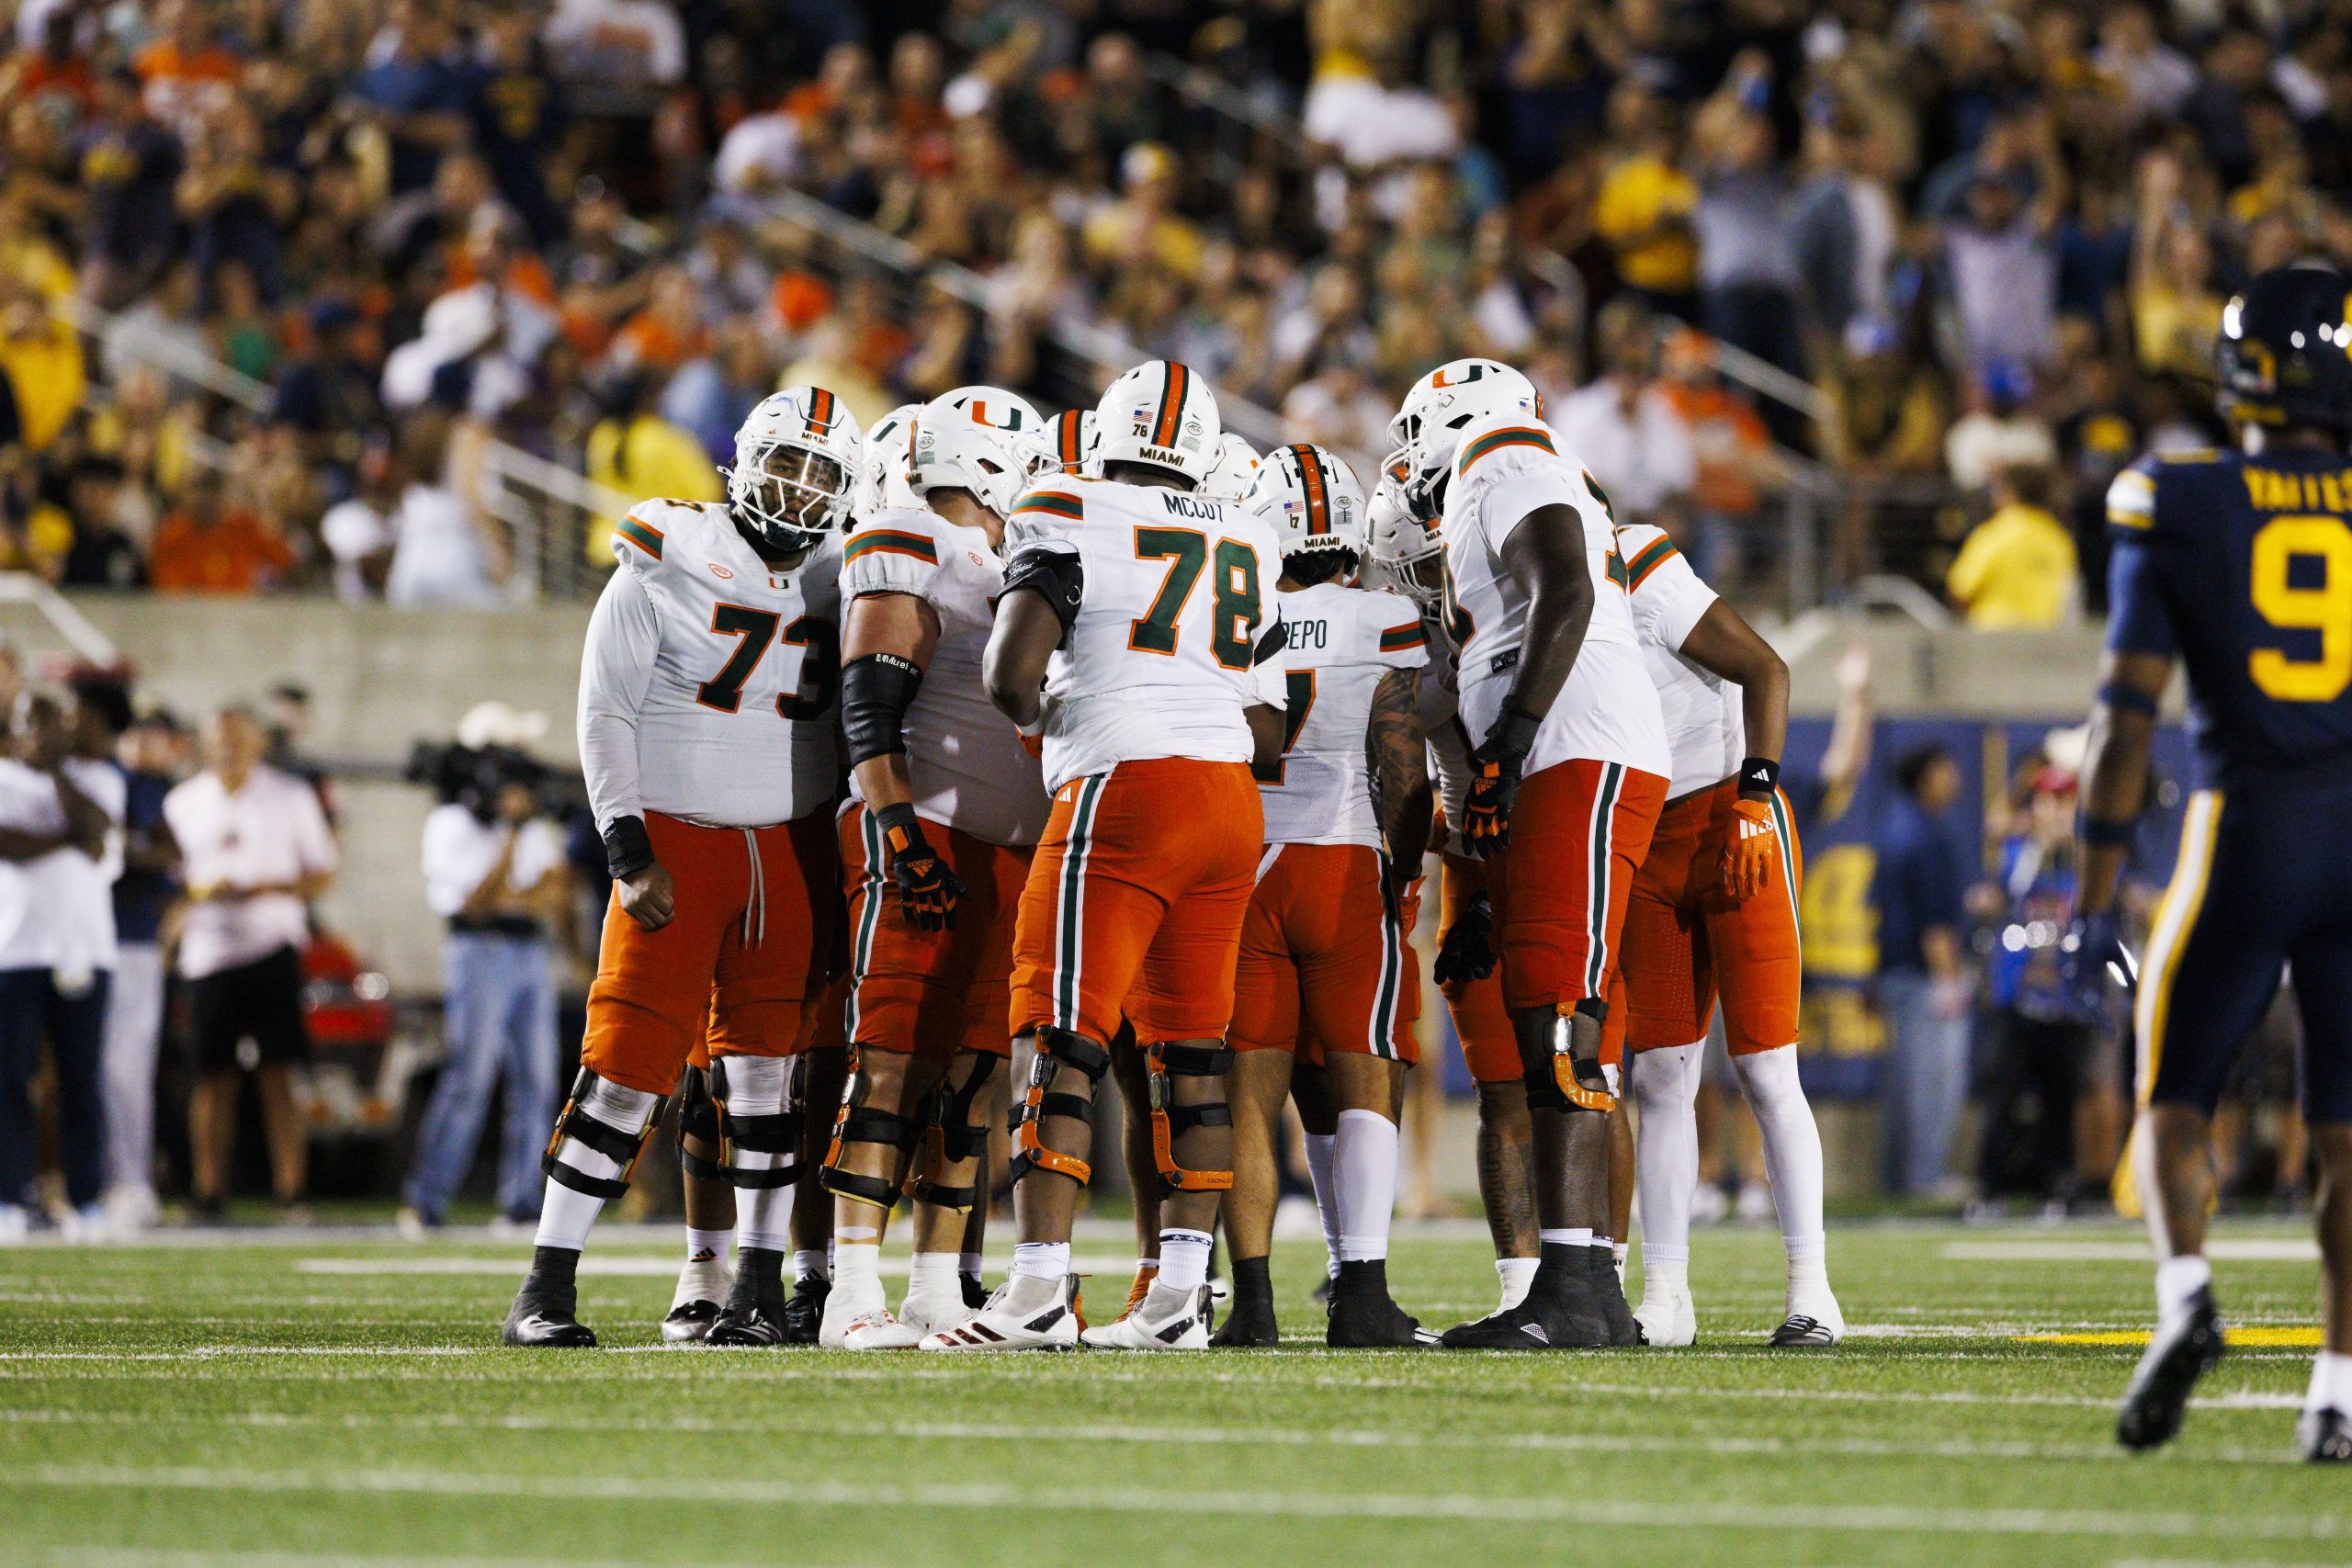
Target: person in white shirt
{"x": 257, "y": 850}
{"x": 494, "y": 869}
{"x": 51, "y": 835}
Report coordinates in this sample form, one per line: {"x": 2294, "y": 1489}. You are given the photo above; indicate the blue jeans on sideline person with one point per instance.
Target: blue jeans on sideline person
{"x": 499, "y": 1012}
{"x": 32, "y": 1008}
{"x": 1927, "y": 1080}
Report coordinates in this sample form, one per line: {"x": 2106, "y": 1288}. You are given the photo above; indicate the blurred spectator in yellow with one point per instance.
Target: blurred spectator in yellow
{"x": 40, "y": 356}
{"x": 1645, "y": 203}
{"x": 2016, "y": 570}
{"x": 636, "y": 453}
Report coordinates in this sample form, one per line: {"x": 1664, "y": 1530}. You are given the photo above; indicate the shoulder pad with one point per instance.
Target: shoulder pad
{"x": 1645, "y": 550}
{"x": 1051, "y": 502}
{"x": 1484, "y": 439}
{"x": 2131, "y": 496}
{"x": 905, "y": 532}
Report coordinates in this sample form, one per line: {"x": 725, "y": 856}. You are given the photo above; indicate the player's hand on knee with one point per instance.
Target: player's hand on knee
{"x": 647, "y": 897}
{"x": 1466, "y": 950}
{"x": 1748, "y": 857}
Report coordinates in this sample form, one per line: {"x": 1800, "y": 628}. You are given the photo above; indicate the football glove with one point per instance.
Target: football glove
{"x": 2091, "y": 953}
{"x": 928, "y": 890}
{"x": 1494, "y": 781}
{"x": 1466, "y": 951}
{"x": 1748, "y": 857}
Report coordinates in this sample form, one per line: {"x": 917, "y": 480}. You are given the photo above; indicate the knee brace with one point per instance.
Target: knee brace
{"x": 858, "y": 1122}
{"x": 950, "y": 1139}
{"x": 1172, "y": 1119}
{"x": 1559, "y": 1054}
{"x": 759, "y": 1119}
{"x": 698, "y": 1118}
{"x": 603, "y": 1130}
{"x": 1056, "y": 1049}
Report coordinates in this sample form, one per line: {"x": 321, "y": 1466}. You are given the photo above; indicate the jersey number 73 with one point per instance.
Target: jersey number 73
{"x": 754, "y": 631}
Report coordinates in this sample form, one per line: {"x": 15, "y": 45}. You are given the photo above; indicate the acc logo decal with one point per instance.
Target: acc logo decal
{"x": 719, "y": 570}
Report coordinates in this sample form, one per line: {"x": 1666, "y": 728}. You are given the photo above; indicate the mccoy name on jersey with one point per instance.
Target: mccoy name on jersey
{"x": 1337, "y": 644}
{"x": 1703, "y": 722}
{"x": 1176, "y": 599}
{"x": 711, "y": 680}
{"x": 964, "y": 758}
{"x": 1506, "y": 466}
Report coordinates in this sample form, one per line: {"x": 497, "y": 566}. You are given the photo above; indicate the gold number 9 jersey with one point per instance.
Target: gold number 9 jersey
{"x": 1174, "y": 620}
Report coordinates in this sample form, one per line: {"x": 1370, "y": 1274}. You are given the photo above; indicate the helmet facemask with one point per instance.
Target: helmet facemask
{"x": 794, "y": 495}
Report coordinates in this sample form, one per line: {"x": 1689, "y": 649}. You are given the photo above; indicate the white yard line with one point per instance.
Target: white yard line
{"x": 867, "y": 1494}
{"x": 624, "y": 1265}
{"x": 148, "y": 1557}
{"x": 2221, "y": 1249}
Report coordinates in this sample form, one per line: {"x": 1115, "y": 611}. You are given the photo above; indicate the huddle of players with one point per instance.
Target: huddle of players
{"x": 1139, "y": 775}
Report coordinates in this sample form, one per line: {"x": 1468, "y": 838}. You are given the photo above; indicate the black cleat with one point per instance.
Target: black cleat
{"x": 1609, "y": 1293}
{"x": 755, "y": 1315}
{"x": 1250, "y": 1316}
{"x": 545, "y": 1314}
{"x": 1562, "y": 1311}
{"x": 1512, "y": 1328}
{"x": 805, "y": 1310}
{"x": 689, "y": 1322}
{"x": 1798, "y": 1331}
{"x": 976, "y": 1295}
{"x": 2176, "y": 1357}
{"x": 2325, "y": 1436}
{"x": 1364, "y": 1316}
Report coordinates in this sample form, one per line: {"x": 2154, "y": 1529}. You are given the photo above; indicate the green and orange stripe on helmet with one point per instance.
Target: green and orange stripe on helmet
{"x": 1318, "y": 484}
{"x": 1172, "y": 405}
{"x": 822, "y": 410}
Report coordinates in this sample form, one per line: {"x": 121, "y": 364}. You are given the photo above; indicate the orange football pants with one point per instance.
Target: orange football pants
{"x": 744, "y": 958}
{"x": 1323, "y": 956}
{"x": 930, "y": 992}
{"x": 1135, "y": 901}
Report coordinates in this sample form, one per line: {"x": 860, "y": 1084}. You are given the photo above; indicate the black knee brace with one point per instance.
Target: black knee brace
{"x": 1559, "y": 1057}
{"x": 950, "y": 1139}
{"x": 698, "y": 1118}
{"x": 579, "y": 1127}
{"x": 858, "y": 1122}
{"x": 759, "y": 1150}
{"x": 1170, "y": 1121}
{"x": 1056, "y": 1049}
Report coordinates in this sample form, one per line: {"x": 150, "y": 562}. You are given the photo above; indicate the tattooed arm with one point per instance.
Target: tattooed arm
{"x": 1400, "y": 770}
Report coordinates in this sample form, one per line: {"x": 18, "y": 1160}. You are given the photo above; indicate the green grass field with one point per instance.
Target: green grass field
{"x": 329, "y": 1398}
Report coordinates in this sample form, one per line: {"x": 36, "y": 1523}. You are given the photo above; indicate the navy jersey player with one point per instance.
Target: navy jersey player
{"x": 2238, "y": 565}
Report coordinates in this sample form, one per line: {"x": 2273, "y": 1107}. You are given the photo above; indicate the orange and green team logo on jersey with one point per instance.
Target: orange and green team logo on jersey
{"x": 1404, "y": 639}
{"x": 644, "y": 535}
{"x": 1647, "y": 560}
{"x": 1534, "y": 435}
{"x": 889, "y": 542}
{"x": 1050, "y": 504}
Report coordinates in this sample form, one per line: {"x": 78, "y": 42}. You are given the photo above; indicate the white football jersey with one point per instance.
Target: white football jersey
{"x": 1338, "y": 643}
{"x": 1450, "y": 767}
{"x": 1177, "y": 596}
{"x": 1507, "y": 466}
{"x": 963, "y": 757}
{"x": 1702, "y": 710}
{"x": 710, "y": 686}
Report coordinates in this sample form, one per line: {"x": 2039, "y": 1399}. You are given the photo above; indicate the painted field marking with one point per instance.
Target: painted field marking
{"x": 2239, "y": 1249}
{"x": 2304, "y": 1337}
{"x": 616, "y": 1266}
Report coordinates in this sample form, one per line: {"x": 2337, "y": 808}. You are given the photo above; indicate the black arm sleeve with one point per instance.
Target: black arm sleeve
{"x": 1277, "y": 638}
{"x": 876, "y": 691}
{"x": 1056, "y": 576}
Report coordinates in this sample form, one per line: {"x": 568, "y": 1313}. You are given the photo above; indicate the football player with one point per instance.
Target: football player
{"x": 947, "y": 808}
{"x": 1145, "y": 610}
{"x": 1568, "y": 773}
{"x": 1235, "y": 469}
{"x": 882, "y": 471}
{"x": 1410, "y": 554}
{"x": 1323, "y": 953}
{"x": 1714, "y": 912}
{"x": 2238, "y": 564}
{"x": 1068, "y": 444}
{"x": 707, "y": 722}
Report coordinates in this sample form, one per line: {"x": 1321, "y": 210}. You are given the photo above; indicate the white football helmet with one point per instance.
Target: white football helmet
{"x": 1162, "y": 415}
{"x": 1310, "y": 498}
{"x": 1407, "y": 551}
{"x": 1069, "y": 445}
{"x": 796, "y": 466}
{"x": 882, "y": 474}
{"x": 1429, "y": 426}
{"x": 1235, "y": 469}
{"x": 982, "y": 439}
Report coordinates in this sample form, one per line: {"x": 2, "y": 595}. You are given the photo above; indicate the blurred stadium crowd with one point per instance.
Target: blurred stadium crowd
{"x": 292, "y": 292}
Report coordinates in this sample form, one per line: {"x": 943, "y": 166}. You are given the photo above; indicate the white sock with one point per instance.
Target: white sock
{"x": 812, "y": 1263}
{"x": 2331, "y": 1382}
{"x": 969, "y": 1264}
{"x": 857, "y": 1271}
{"x": 1617, "y": 1250}
{"x": 1791, "y": 1152}
{"x": 1516, "y": 1274}
{"x": 1363, "y": 1178}
{"x": 1327, "y": 1201}
{"x": 1183, "y": 1260}
{"x": 1567, "y": 1235}
{"x": 1666, "y": 1158}
{"x": 566, "y": 1217}
{"x": 933, "y": 1272}
{"x": 707, "y": 1246}
{"x": 763, "y": 1218}
{"x": 2178, "y": 1280}
{"x": 1047, "y": 1260}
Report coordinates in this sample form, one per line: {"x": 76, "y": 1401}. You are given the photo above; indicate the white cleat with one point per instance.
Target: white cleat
{"x": 1163, "y": 1320}
{"x": 1050, "y": 1324}
{"x": 876, "y": 1330}
{"x": 928, "y": 1312}
{"x": 1814, "y": 1322}
{"x": 845, "y": 1311}
{"x": 1667, "y": 1317}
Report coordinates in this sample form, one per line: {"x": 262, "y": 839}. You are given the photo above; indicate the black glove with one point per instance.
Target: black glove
{"x": 2091, "y": 953}
{"x": 928, "y": 890}
{"x": 1494, "y": 781}
{"x": 1466, "y": 951}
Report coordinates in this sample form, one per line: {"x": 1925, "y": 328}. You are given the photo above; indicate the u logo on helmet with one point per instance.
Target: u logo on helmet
{"x": 1437, "y": 383}
{"x": 980, "y": 416}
